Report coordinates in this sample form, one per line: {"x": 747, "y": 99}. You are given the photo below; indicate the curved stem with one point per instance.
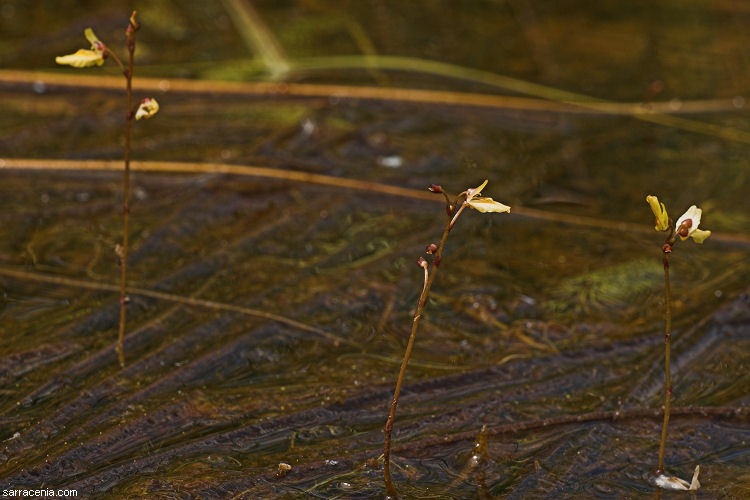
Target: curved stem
{"x": 126, "y": 201}
{"x": 430, "y": 277}
{"x": 116, "y": 59}
{"x": 455, "y": 217}
{"x": 668, "y": 376}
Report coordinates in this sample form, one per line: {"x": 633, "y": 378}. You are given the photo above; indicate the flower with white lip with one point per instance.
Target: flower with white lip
{"x": 687, "y": 225}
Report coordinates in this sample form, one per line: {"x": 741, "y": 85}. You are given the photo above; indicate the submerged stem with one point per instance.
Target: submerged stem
{"x": 668, "y": 377}
{"x": 430, "y": 277}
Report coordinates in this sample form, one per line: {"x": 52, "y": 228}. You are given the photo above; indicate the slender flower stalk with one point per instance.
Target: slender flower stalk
{"x": 95, "y": 57}
{"x": 686, "y": 227}
{"x": 667, "y": 371}
{"x": 453, "y": 210}
{"x": 130, "y": 42}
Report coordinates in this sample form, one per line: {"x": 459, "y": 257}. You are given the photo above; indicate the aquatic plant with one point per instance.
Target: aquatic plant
{"x": 95, "y": 56}
{"x": 453, "y": 207}
{"x": 685, "y": 227}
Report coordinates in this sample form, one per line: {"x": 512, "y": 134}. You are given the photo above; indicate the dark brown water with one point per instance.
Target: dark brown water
{"x": 530, "y": 318}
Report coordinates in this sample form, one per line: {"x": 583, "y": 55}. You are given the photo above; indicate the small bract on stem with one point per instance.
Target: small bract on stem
{"x": 148, "y": 107}
{"x": 685, "y": 227}
{"x": 454, "y": 207}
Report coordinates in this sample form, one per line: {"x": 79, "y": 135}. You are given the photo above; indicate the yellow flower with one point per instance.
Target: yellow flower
{"x": 148, "y": 108}
{"x": 484, "y": 205}
{"x": 96, "y": 44}
{"x": 83, "y": 58}
{"x": 488, "y": 205}
{"x": 687, "y": 225}
{"x": 660, "y": 212}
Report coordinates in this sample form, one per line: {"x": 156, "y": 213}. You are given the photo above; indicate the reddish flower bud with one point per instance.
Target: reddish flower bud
{"x": 435, "y": 188}
{"x": 431, "y": 248}
{"x": 667, "y": 248}
{"x": 421, "y": 262}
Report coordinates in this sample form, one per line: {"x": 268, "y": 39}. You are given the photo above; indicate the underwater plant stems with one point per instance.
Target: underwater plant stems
{"x": 126, "y": 201}
{"x": 668, "y": 375}
{"x": 389, "y": 487}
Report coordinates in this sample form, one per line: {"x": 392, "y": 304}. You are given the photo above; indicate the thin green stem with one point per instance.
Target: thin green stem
{"x": 668, "y": 376}
{"x": 126, "y": 199}
{"x": 389, "y": 486}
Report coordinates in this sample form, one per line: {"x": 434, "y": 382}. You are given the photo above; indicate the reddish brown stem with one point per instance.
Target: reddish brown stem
{"x": 668, "y": 375}
{"x": 130, "y": 42}
{"x": 430, "y": 277}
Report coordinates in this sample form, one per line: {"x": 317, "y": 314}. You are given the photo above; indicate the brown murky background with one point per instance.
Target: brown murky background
{"x": 532, "y": 316}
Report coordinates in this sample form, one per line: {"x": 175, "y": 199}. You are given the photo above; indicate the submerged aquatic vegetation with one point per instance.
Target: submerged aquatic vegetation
{"x": 148, "y": 107}
{"x": 453, "y": 207}
{"x": 685, "y": 227}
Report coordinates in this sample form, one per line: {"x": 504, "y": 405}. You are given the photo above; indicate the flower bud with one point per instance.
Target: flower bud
{"x": 431, "y": 248}
{"x": 435, "y": 188}
{"x": 422, "y": 263}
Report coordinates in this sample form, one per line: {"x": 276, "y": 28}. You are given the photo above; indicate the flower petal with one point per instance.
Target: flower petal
{"x": 82, "y": 58}
{"x": 93, "y": 40}
{"x": 485, "y": 205}
{"x": 148, "y": 108}
{"x": 699, "y": 235}
{"x": 472, "y": 192}
{"x": 694, "y": 214}
{"x": 660, "y": 212}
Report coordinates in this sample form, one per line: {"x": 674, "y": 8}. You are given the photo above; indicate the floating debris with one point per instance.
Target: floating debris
{"x": 675, "y": 483}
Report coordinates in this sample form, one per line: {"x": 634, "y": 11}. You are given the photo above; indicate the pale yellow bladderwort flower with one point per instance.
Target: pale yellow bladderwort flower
{"x": 484, "y": 205}
{"x": 83, "y": 58}
{"x": 480, "y": 204}
{"x": 148, "y": 108}
{"x": 687, "y": 225}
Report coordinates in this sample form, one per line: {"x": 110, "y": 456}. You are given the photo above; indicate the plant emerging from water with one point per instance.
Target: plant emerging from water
{"x": 95, "y": 56}
{"x": 685, "y": 227}
{"x": 454, "y": 207}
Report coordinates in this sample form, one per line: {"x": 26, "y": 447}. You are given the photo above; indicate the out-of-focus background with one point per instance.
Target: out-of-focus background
{"x": 574, "y": 111}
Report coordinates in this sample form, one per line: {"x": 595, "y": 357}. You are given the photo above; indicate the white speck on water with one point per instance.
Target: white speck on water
{"x": 39, "y": 87}
{"x": 308, "y": 126}
{"x": 394, "y": 161}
